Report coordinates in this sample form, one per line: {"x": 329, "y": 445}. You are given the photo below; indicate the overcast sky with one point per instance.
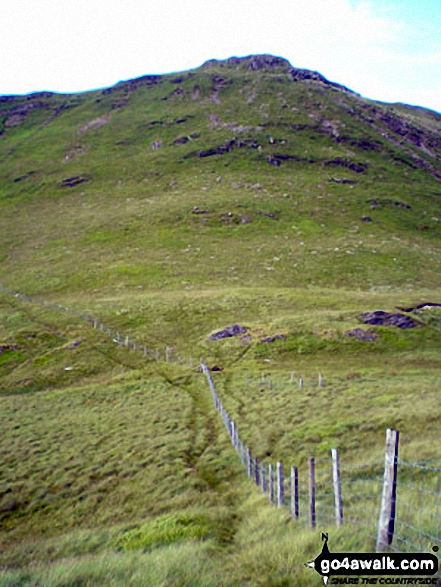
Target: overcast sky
{"x": 388, "y": 50}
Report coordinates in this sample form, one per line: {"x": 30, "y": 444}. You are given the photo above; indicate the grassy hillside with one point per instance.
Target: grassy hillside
{"x": 170, "y": 207}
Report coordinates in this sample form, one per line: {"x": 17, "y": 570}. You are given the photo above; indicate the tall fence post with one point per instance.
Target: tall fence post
{"x": 337, "y": 487}
{"x": 249, "y": 463}
{"x": 256, "y": 472}
{"x": 311, "y": 465}
{"x": 270, "y": 483}
{"x": 262, "y": 477}
{"x": 294, "y": 493}
{"x": 279, "y": 485}
{"x": 386, "y": 521}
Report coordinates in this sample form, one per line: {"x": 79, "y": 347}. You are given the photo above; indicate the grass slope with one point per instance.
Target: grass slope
{"x": 171, "y": 207}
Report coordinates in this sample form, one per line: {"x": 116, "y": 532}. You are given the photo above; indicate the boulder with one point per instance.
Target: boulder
{"x": 228, "y": 332}
{"x": 380, "y": 318}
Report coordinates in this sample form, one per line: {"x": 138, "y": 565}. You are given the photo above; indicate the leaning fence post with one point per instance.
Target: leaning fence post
{"x": 233, "y": 433}
{"x": 279, "y": 485}
{"x": 294, "y": 492}
{"x": 386, "y": 521}
{"x": 311, "y": 465}
{"x": 337, "y": 487}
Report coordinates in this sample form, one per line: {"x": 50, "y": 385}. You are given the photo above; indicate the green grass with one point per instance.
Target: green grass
{"x": 117, "y": 470}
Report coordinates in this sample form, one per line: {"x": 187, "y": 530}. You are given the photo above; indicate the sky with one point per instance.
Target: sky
{"x": 387, "y": 50}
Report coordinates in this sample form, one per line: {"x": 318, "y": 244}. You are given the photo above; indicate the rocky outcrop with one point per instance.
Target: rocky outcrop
{"x": 380, "y": 318}
{"x": 352, "y": 165}
{"x": 71, "y": 182}
{"x": 253, "y": 62}
{"x": 228, "y": 332}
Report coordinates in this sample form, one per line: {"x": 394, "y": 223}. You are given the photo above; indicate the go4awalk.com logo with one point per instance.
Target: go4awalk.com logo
{"x": 340, "y": 568}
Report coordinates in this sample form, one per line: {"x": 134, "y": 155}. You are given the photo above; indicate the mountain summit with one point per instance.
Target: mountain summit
{"x": 233, "y": 143}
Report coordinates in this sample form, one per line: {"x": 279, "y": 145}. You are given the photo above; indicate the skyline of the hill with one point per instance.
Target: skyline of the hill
{"x": 385, "y": 50}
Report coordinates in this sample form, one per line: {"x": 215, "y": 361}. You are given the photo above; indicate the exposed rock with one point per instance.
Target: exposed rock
{"x": 71, "y": 182}
{"x": 73, "y": 345}
{"x": 197, "y": 210}
{"x": 156, "y": 145}
{"x": 93, "y": 124}
{"x": 133, "y": 84}
{"x": 23, "y": 177}
{"x": 9, "y": 347}
{"x": 300, "y": 75}
{"x": 403, "y": 205}
{"x": 228, "y": 332}
{"x": 381, "y": 318}
{"x": 360, "y": 143}
{"x": 267, "y": 214}
{"x": 421, "y": 306}
{"x": 367, "y": 219}
{"x": 273, "y": 338}
{"x": 353, "y": 166}
{"x": 342, "y": 181}
{"x": 363, "y": 335}
{"x": 273, "y": 161}
{"x": 253, "y": 62}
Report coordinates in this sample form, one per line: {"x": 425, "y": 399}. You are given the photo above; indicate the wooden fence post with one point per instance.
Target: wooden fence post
{"x": 270, "y": 483}
{"x": 256, "y": 472}
{"x": 386, "y": 521}
{"x": 249, "y": 463}
{"x": 279, "y": 485}
{"x": 242, "y": 452}
{"x": 337, "y": 487}
{"x": 262, "y": 477}
{"x": 294, "y": 493}
{"x": 311, "y": 465}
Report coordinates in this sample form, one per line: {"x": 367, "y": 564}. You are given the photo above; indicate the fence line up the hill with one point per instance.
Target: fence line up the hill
{"x": 330, "y": 493}
{"x": 167, "y": 354}
{"x": 388, "y": 501}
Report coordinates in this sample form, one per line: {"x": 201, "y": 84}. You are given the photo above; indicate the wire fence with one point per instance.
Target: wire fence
{"x": 167, "y": 353}
{"x": 328, "y": 493}
{"x": 363, "y": 496}
{"x": 418, "y": 518}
